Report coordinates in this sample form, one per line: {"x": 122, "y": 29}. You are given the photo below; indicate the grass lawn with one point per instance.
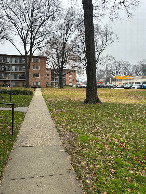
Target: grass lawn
{"x": 106, "y": 141}
{"x": 18, "y": 100}
{"x": 6, "y": 138}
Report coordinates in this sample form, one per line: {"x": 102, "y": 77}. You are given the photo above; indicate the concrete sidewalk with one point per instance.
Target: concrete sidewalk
{"x": 39, "y": 164}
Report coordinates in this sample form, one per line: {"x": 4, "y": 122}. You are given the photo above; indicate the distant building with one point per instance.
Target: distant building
{"x": 69, "y": 77}
{"x": 12, "y": 72}
{"x": 132, "y": 80}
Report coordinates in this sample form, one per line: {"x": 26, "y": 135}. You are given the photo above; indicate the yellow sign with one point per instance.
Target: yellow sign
{"x": 123, "y": 77}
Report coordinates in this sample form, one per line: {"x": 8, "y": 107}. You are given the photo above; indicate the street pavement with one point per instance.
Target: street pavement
{"x": 38, "y": 163}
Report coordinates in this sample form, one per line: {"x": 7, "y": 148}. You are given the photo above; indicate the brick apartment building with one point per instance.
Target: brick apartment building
{"x": 12, "y": 72}
{"x": 69, "y": 77}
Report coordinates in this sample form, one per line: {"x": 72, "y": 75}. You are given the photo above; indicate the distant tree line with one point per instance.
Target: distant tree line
{"x": 108, "y": 66}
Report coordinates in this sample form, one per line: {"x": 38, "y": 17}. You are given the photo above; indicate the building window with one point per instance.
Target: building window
{"x": 5, "y": 59}
{"x": 15, "y": 76}
{"x": 70, "y": 79}
{"x": 22, "y": 60}
{"x": 70, "y": 75}
{"x": 15, "y": 60}
{"x": 36, "y": 83}
{"x": 15, "y": 68}
{"x": 35, "y": 60}
{"x": 21, "y": 76}
{"x": 47, "y": 74}
{"x": 36, "y": 67}
{"x": 36, "y": 75}
{"x": 20, "y": 68}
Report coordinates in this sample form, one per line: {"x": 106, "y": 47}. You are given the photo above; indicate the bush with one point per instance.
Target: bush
{"x": 22, "y": 92}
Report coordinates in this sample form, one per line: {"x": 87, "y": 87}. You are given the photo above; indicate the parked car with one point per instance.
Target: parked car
{"x": 81, "y": 85}
{"x": 120, "y": 87}
{"x": 128, "y": 86}
{"x": 100, "y": 86}
{"x": 108, "y": 86}
{"x": 143, "y": 85}
{"x": 77, "y": 85}
{"x": 136, "y": 86}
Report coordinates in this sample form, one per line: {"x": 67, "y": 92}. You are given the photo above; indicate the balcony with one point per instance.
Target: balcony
{"x": 4, "y": 68}
{"x": 12, "y": 69}
{"x": 12, "y": 60}
{"x": 19, "y": 77}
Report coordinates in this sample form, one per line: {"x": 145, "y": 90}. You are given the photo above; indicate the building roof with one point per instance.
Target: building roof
{"x": 1, "y": 55}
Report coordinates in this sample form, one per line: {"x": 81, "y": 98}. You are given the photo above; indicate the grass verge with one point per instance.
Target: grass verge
{"x": 106, "y": 141}
{"x": 6, "y": 138}
{"x": 19, "y": 100}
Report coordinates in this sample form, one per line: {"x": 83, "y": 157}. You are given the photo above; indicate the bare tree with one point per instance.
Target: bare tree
{"x": 103, "y": 38}
{"x": 108, "y": 66}
{"x": 104, "y": 5}
{"x": 61, "y": 45}
{"x": 140, "y": 68}
{"x": 28, "y": 19}
{"x": 4, "y": 30}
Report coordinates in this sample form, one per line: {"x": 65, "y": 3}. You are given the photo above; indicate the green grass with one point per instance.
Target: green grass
{"x": 106, "y": 141}
{"x": 6, "y": 138}
{"x": 18, "y": 100}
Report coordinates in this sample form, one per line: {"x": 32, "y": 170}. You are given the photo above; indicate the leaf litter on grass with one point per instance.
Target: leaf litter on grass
{"x": 108, "y": 147}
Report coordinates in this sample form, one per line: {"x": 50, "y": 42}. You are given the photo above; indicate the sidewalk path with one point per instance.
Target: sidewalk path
{"x": 39, "y": 164}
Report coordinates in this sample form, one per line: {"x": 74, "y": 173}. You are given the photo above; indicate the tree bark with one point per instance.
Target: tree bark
{"x": 26, "y": 70}
{"x": 27, "y": 76}
{"x": 61, "y": 79}
{"x": 61, "y": 75}
{"x": 91, "y": 90}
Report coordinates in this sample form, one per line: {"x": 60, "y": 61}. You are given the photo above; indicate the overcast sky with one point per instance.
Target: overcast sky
{"x": 132, "y": 38}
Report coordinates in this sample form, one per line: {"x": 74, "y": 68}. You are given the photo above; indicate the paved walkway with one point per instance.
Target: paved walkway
{"x": 39, "y": 164}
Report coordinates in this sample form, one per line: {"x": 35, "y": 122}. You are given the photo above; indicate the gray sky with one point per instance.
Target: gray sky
{"x": 132, "y": 38}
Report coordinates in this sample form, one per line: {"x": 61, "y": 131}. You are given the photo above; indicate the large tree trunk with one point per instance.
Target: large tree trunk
{"x": 61, "y": 79}
{"x": 27, "y": 66}
{"x": 91, "y": 90}
{"x": 27, "y": 76}
{"x": 26, "y": 71}
{"x": 61, "y": 75}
